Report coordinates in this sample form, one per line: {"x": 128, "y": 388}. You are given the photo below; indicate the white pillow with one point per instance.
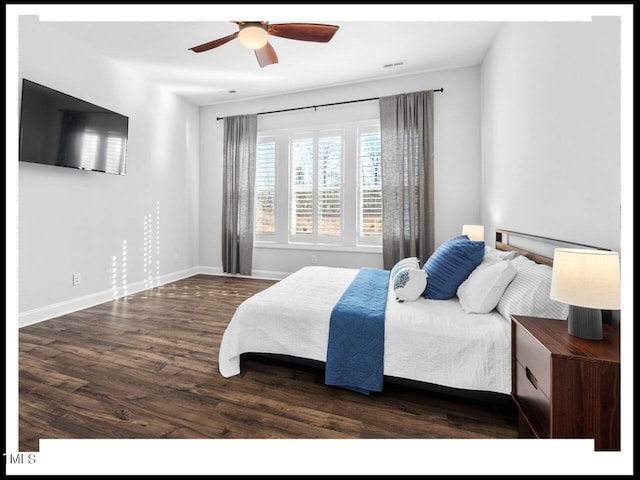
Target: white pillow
{"x": 528, "y": 293}
{"x": 496, "y": 255}
{"x": 522, "y": 263}
{"x": 482, "y": 290}
{"x": 409, "y": 284}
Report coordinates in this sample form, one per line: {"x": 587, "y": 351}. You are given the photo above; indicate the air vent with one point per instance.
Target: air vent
{"x": 394, "y": 64}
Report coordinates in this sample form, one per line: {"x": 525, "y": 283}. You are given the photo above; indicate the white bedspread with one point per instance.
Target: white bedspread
{"x": 426, "y": 340}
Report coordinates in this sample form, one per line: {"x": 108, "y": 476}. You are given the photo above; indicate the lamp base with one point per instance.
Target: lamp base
{"x": 585, "y": 322}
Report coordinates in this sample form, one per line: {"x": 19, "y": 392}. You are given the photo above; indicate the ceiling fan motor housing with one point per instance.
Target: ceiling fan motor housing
{"x": 253, "y": 35}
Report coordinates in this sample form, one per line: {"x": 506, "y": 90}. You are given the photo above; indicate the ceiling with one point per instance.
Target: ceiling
{"x": 159, "y": 51}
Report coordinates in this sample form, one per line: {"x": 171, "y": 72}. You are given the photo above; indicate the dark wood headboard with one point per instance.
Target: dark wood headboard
{"x": 537, "y": 248}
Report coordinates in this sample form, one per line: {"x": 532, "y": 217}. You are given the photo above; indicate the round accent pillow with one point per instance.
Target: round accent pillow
{"x": 409, "y": 283}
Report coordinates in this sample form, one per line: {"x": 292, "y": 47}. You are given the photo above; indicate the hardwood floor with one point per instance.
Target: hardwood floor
{"x": 146, "y": 366}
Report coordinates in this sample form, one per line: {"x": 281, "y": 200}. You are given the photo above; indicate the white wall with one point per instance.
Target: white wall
{"x": 457, "y": 159}
{"x": 74, "y": 221}
{"x": 551, "y": 131}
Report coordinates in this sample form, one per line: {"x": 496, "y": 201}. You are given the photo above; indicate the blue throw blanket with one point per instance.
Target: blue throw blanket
{"x": 355, "y": 353}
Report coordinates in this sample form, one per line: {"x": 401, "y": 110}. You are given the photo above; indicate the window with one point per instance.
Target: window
{"x": 325, "y": 183}
{"x": 302, "y": 186}
{"x": 330, "y": 186}
{"x": 316, "y": 187}
{"x": 265, "y": 188}
{"x": 370, "y": 187}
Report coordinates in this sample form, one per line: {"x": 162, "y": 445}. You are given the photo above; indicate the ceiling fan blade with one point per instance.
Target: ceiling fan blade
{"x": 266, "y": 55}
{"x": 215, "y": 43}
{"x": 309, "y": 32}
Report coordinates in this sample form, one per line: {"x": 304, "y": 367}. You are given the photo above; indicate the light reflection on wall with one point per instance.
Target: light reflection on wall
{"x": 114, "y": 276}
{"x": 150, "y": 258}
{"x": 157, "y": 242}
{"x": 151, "y": 249}
{"x": 124, "y": 268}
{"x": 121, "y": 290}
{"x": 146, "y": 256}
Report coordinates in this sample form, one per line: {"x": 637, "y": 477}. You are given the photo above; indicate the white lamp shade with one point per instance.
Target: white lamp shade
{"x": 474, "y": 232}
{"x": 253, "y": 37}
{"x": 586, "y": 278}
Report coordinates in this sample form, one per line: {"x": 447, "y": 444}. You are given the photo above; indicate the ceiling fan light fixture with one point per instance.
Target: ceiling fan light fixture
{"x": 253, "y": 37}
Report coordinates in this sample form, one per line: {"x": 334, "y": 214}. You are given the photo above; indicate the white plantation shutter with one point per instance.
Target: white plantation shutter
{"x": 302, "y": 155}
{"x": 316, "y": 187}
{"x": 330, "y": 186}
{"x": 319, "y": 187}
{"x": 370, "y": 187}
{"x": 265, "y": 187}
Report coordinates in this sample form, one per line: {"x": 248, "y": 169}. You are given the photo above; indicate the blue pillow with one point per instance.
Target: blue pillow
{"x": 450, "y": 265}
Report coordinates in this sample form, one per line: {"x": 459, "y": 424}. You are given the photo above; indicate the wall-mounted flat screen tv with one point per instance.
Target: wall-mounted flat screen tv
{"x": 61, "y": 130}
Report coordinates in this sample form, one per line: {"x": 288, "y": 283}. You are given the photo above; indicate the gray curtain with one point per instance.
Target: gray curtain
{"x": 238, "y": 178}
{"x": 406, "y": 125}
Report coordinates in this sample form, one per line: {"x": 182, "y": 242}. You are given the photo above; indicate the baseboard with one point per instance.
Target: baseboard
{"x": 258, "y": 274}
{"x": 69, "y": 306}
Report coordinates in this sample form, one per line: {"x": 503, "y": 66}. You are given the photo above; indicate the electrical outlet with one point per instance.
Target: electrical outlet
{"x": 75, "y": 279}
{"x": 314, "y": 259}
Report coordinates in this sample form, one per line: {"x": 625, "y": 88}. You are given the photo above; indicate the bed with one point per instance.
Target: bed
{"x": 434, "y": 342}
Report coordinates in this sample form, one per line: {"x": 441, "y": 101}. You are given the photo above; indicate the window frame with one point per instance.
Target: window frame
{"x": 267, "y": 237}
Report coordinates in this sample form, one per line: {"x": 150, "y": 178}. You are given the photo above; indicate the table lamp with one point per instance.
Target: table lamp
{"x": 588, "y": 281}
{"x": 474, "y": 232}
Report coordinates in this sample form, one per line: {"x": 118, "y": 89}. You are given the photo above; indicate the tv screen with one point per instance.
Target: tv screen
{"x": 61, "y": 130}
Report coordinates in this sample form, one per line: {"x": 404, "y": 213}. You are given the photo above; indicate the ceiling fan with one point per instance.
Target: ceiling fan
{"x": 255, "y": 35}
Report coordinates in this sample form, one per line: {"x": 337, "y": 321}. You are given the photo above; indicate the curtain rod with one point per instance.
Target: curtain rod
{"x": 324, "y": 105}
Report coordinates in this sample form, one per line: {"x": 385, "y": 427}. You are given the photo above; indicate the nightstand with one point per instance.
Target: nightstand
{"x": 565, "y": 386}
